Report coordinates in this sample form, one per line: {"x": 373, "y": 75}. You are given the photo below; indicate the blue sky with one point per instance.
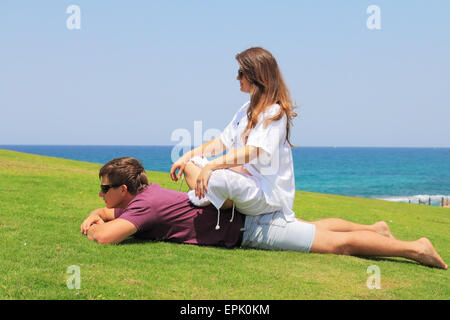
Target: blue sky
{"x": 137, "y": 71}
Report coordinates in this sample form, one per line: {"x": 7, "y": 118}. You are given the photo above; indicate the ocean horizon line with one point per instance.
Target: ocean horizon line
{"x": 174, "y": 145}
{"x": 400, "y": 174}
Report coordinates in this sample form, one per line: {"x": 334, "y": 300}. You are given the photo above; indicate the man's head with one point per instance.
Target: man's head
{"x": 122, "y": 179}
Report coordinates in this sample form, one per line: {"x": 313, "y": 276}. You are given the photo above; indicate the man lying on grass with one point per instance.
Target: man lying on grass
{"x": 148, "y": 211}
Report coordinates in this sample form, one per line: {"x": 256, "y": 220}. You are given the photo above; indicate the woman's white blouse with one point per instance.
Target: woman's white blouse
{"x": 274, "y": 168}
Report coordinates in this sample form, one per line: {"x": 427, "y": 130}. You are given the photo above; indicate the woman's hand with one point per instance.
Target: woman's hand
{"x": 180, "y": 164}
{"x": 202, "y": 182}
{"x": 94, "y": 218}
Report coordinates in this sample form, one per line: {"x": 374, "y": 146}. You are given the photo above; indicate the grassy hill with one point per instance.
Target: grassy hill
{"x": 43, "y": 201}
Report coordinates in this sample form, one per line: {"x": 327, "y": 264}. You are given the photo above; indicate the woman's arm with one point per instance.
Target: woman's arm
{"x": 210, "y": 148}
{"x": 234, "y": 158}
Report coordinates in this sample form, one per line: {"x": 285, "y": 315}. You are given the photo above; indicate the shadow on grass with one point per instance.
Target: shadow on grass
{"x": 396, "y": 260}
{"x": 133, "y": 240}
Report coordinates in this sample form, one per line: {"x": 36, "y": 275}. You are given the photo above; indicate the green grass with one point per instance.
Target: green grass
{"x": 43, "y": 201}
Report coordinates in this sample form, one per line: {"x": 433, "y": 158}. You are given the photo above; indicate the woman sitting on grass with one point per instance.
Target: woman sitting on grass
{"x": 257, "y": 170}
{"x": 135, "y": 207}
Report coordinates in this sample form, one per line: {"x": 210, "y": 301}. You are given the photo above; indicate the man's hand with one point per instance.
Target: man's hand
{"x": 94, "y": 218}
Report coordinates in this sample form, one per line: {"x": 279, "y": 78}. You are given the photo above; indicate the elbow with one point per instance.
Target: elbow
{"x": 100, "y": 238}
{"x": 252, "y": 152}
{"x": 252, "y": 149}
{"x": 103, "y": 240}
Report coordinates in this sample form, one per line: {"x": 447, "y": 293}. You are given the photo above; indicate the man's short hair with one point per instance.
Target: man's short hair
{"x": 127, "y": 171}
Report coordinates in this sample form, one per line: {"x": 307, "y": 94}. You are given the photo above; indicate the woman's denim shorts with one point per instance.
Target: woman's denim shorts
{"x": 272, "y": 232}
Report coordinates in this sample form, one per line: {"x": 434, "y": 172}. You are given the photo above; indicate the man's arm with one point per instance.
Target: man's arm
{"x": 98, "y": 216}
{"x": 111, "y": 232}
{"x": 107, "y": 214}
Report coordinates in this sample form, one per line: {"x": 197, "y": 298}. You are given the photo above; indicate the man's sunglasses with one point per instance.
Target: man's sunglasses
{"x": 105, "y": 187}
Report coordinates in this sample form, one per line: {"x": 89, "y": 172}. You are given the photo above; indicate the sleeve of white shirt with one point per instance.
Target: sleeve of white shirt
{"x": 271, "y": 137}
{"x": 228, "y": 134}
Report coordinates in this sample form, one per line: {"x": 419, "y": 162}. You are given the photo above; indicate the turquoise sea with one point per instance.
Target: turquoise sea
{"x": 395, "y": 174}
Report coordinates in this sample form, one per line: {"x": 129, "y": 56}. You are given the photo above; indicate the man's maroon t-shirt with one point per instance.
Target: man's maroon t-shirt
{"x": 168, "y": 215}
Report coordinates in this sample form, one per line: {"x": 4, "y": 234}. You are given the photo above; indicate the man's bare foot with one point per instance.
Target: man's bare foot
{"x": 428, "y": 255}
{"x": 382, "y": 228}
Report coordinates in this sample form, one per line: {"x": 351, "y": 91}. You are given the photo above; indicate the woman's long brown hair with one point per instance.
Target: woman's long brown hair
{"x": 261, "y": 70}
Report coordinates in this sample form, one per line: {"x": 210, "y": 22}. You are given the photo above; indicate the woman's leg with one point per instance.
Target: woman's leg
{"x": 191, "y": 172}
{"x": 340, "y": 225}
{"x": 367, "y": 243}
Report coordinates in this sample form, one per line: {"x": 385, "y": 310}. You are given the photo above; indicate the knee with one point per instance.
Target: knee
{"x": 191, "y": 169}
{"x": 191, "y": 172}
{"x": 343, "y": 246}
{"x": 217, "y": 180}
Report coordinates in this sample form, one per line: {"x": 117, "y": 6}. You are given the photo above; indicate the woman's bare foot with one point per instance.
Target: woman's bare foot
{"x": 428, "y": 256}
{"x": 382, "y": 228}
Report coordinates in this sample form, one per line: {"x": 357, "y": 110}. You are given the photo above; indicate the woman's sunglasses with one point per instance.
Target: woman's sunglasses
{"x": 240, "y": 74}
{"x": 105, "y": 187}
